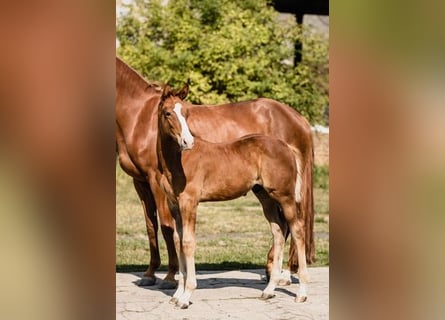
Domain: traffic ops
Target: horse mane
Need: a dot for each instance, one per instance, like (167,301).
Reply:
(132,81)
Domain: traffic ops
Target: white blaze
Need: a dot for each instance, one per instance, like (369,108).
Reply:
(186,140)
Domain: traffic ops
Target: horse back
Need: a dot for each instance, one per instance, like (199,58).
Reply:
(227,122)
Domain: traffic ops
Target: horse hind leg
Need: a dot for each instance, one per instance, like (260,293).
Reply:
(278,245)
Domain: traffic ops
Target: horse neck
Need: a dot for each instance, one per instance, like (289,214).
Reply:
(136,100)
(130,85)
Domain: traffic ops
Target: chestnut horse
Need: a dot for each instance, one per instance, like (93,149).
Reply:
(225,171)
(136,129)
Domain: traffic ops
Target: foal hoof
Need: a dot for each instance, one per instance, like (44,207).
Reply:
(300,299)
(146,282)
(285,278)
(284,282)
(168,284)
(266,296)
(173,300)
(182,305)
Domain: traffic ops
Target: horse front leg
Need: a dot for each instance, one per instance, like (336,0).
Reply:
(167,228)
(146,196)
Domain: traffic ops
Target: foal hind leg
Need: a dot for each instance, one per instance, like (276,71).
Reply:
(278,229)
(271,208)
(296,225)
(278,244)
(286,279)
(145,195)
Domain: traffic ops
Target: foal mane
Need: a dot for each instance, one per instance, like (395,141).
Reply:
(132,81)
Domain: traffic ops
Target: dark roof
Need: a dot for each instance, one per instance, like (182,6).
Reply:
(318,7)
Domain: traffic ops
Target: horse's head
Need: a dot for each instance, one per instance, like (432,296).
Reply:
(172,116)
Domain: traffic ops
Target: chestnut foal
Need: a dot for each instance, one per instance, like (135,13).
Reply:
(224,171)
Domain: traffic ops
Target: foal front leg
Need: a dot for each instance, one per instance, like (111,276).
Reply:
(177,236)
(188,208)
(184,238)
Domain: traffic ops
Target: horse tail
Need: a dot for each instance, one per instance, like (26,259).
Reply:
(307,204)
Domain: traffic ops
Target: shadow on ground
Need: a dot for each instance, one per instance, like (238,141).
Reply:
(210,282)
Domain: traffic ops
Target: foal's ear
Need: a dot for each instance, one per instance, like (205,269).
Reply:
(183,92)
(166,91)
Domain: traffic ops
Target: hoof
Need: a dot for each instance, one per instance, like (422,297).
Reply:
(146,282)
(285,279)
(266,296)
(182,305)
(300,299)
(166,284)
(174,300)
(284,282)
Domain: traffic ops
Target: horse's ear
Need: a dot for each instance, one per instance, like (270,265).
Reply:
(184,91)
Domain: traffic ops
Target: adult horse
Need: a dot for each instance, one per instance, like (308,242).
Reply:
(225,171)
(136,129)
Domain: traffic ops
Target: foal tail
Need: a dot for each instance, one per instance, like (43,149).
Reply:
(299,181)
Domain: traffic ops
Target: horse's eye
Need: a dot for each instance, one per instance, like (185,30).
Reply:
(167,114)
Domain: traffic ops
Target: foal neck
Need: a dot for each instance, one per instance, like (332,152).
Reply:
(169,152)
(170,165)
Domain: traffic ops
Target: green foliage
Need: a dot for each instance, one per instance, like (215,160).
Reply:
(321,177)
(230,50)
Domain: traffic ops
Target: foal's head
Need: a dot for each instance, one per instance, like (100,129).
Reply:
(172,117)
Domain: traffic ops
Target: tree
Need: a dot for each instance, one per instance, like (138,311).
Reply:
(230,50)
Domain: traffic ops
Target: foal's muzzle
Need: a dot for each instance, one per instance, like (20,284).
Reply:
(186,144)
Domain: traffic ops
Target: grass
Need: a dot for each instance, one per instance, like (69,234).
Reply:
(230,235)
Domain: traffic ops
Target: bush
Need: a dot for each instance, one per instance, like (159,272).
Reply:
(321,177)
(230,50)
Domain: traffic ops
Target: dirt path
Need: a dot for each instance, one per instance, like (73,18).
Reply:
(224,295)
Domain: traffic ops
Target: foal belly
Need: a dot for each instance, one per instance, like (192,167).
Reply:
(226,187)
